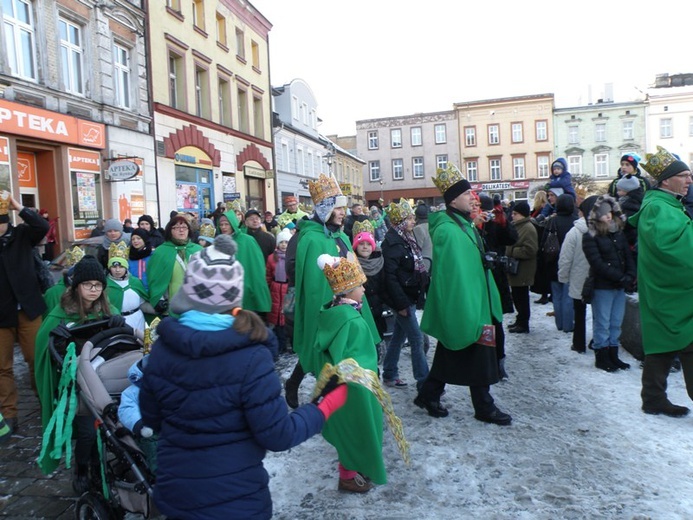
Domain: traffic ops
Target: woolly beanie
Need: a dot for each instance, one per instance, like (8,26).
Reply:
(631,158)
(421,211)
(284,235)
(113,224)
(522,207)
(213,281)
(88,268)
(628,183)
(364,236)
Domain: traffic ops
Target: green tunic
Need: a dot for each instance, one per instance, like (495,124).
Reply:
(160,268)
(356,429)
(665,264)
(115,291)
(313,291)
(256,295)
(457,304)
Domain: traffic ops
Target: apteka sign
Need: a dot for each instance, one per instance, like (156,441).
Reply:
(123,170)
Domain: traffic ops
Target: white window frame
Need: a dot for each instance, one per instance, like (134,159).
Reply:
(416,136)
(519,168)
(374,171)
(472,169)
(441,162)
(121,75)
(628,130)
(517,132)
(573,134)
(373,140)
(397,170)
(417,167)
(493,135)
(601,165)
(541,130)
(72,58)
(470,136)
(301,161)
(575,164)
(600,132)
(666,129)
(294,103)
(690,126)
(440,132)
(494,166)
(543,167)
(17,32)
(396,138)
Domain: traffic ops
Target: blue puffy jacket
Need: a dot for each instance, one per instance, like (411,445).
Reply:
(215,400)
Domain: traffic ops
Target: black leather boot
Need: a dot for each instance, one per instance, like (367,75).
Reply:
(613,357)
(602,361)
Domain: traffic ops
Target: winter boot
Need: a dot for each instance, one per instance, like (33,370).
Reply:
(613,357)
(602,360)
(292,384)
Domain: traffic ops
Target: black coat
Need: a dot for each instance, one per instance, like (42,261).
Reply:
(18,281)
(611,261)
(404,284)
(630,205)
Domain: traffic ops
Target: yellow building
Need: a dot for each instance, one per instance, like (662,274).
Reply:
(211,93)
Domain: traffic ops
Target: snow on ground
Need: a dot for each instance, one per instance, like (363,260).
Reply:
(579,447)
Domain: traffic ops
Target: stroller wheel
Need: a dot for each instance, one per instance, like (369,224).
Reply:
(92,507)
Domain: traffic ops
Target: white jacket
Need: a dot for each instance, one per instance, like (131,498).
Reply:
(573,267)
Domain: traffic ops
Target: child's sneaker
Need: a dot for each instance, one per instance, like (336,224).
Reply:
(394,383)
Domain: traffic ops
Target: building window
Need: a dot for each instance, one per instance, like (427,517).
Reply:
(199,14)
(221,30)
(71,56)
(242,110)
(470,136)
(573,135)
(19,38)
(441,162)
(311,163)
(173,5)
(495,167)
(417,167)
(600,132)
(255,50)
(121,74)
(313,118)
(690,126)
(397,169)
(201,93)
(601,165)
(396,138)
(301,162)
(240,44)
(294,106)
(665,128)
(416,139)
(543,167)
(628,130)
(518,167)
(286,166)
(224,102)
(374,170)
(519,195)
(575,164)
(441,134)
(472,171)
(373,140)
(541,130)
(517,134)
(493,134)
(176,81)
(258,118)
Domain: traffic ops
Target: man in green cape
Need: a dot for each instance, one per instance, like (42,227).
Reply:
(320,235)
(665,261)
(462,306)
(256,295)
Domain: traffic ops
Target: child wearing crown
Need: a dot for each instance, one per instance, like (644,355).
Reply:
(125,292)
(356,430)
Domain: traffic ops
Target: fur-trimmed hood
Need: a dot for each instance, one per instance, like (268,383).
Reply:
(603,205)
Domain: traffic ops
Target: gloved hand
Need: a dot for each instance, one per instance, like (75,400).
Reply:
(333,399)
(161,307)
(142,431)
(116,322)
(626,281)
(62,331)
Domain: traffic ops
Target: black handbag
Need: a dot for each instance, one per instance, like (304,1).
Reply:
(588,289)
(512,265)
(551,247)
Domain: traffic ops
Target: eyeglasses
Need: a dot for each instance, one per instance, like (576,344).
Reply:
(92,286)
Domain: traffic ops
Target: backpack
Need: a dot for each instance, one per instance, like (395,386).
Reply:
(552,246)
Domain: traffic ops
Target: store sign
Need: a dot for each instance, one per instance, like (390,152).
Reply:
(252,171)
(84,160)
(499,186)
(192,156)
(123,170)
(44,124)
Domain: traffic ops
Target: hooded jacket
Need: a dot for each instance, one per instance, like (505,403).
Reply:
(564,180)
(573,267)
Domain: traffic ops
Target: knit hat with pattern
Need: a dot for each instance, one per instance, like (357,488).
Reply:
(213,280)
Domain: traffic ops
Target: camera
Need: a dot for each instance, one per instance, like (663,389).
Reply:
(493,260)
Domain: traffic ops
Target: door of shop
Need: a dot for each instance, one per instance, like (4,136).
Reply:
(194,190)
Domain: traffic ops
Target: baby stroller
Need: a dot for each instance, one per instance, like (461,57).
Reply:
(105,355)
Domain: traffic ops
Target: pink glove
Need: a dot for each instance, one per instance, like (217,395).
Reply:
(333,401)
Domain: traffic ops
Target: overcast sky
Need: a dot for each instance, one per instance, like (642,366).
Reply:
(367,59)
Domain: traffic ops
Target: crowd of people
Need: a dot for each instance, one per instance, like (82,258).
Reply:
(334,286)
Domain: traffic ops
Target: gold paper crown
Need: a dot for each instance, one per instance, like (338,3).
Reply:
(150,335)
(346,275)
(399,212)
(362,227)
(447,177)
(74,255)
(207,230)
(324,187)
(119,250)
(4,202)
(236,205)
(581,191)
(658,162)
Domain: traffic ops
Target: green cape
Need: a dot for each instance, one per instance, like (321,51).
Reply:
(52,296)
(256,295)
(356,429)
(160,268)
(665,264)
(457,304)
(313,291)
(115,291)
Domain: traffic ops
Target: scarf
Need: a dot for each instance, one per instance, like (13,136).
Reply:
(139,254)
(410,240)
(372,265)
(280,267)
(124,237)
(209,322)
(343,300)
